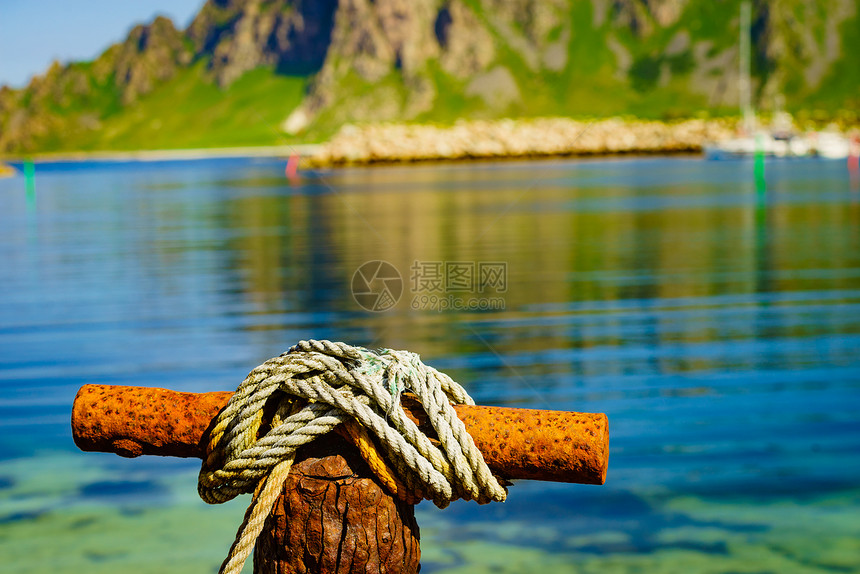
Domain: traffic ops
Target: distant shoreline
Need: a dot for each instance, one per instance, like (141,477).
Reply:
(516,139)
(166,154)
(476,140)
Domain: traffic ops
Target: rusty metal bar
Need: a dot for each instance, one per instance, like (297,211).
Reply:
(516,443)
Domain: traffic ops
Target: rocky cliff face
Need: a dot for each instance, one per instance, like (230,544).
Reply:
(408,41)
(494,49)
(239,35)
(441,59)
(797,36)
(370,40)
(149,56)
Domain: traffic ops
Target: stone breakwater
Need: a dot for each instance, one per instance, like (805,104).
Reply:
(371,143)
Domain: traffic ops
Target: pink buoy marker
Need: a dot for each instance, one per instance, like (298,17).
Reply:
(292,170)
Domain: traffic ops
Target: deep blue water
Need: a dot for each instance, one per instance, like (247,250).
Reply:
(719,328)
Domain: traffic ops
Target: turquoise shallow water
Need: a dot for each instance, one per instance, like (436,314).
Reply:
(719,330)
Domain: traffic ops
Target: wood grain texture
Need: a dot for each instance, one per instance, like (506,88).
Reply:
(334,517)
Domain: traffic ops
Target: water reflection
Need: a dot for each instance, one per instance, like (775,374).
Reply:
(563,242)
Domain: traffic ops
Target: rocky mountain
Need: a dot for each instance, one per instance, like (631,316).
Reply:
(436,61)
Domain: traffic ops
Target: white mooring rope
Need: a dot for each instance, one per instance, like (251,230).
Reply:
(318,385)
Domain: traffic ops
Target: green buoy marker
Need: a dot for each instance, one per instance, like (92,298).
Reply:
(758,166)
(30,181)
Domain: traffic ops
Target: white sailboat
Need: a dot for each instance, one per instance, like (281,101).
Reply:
(830,144)
(780,140)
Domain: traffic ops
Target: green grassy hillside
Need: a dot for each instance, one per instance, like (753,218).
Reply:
(191,112)
(163,88)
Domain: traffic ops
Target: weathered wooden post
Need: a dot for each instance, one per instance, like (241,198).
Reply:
(334,515)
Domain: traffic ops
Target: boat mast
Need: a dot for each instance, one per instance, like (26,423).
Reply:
(744,88)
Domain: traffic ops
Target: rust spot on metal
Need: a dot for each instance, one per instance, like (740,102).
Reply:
(127,448)
(101,420)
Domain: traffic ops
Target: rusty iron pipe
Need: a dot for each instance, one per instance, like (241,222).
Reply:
(516,443)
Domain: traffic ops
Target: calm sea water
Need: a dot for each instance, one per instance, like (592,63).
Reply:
(719,329)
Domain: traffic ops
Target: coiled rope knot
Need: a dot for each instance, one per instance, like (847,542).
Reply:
(316,386)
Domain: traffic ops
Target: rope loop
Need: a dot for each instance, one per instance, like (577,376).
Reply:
(313,388)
